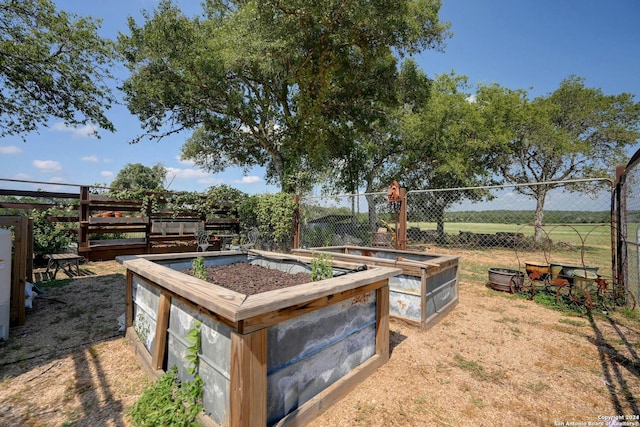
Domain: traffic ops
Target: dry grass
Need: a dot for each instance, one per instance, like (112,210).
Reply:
(496,360)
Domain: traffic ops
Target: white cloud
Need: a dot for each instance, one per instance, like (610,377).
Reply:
(187,173)
(86,131)
(106,174)
(185,162)
(93,159)
(10,149)
(22,176)
(252,179)
(199,175)
(47,166)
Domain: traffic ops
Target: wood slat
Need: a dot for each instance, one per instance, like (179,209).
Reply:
(274,317)
(162,324)
(212,297)
(248,379)
(38,194)
(273,301)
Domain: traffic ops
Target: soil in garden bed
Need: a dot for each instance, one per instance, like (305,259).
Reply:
(249,279)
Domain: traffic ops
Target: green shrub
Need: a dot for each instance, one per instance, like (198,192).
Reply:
(170,402)
(48,237)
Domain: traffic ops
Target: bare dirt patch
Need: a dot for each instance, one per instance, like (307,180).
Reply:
(496,360)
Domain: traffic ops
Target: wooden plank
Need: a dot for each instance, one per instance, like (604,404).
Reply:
(212,297)
(142,353)
(38,194)
(129,297)
(248,379)
(278,316)
(112,220)
(162,324)
(382,322)
(423,298)
(280,299)
(20,269)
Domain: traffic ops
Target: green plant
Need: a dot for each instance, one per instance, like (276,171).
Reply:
(321,267)
(272,215)
(199,269)
(48,237)
(169,401)
(630,313)
(142,328)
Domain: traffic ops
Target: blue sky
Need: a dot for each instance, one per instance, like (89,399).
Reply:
(520,44)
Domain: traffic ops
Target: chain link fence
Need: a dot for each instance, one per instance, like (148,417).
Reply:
(628,206)
(569,219)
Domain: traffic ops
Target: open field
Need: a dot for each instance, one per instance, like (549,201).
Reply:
(598,235)
(496,360)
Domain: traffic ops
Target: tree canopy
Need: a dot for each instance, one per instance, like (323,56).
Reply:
(52,65)
(279,84)
(573,133)
(136,176)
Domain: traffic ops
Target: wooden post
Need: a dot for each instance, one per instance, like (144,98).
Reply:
(83,220)
(382,322)
(162,324)
(401,238)
(248,405)
(129,297)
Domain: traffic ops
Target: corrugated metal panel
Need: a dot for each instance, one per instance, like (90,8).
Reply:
(311,352)
(145,310)
(288,267)
(209,261)
(215,356)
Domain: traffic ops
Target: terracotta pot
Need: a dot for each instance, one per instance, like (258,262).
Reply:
(118,214)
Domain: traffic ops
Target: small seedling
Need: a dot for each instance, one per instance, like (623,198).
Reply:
(199,269)
(321,267)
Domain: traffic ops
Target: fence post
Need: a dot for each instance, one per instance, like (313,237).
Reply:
(83,220)
(296,222)
(401,238)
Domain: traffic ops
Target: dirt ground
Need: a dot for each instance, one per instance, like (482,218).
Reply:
(495,360)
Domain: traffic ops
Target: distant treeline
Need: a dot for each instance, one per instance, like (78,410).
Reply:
(526,217)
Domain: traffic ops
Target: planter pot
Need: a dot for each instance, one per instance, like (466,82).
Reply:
(584,278)
(570,271)
(537,270)
(505,279)
(555,270)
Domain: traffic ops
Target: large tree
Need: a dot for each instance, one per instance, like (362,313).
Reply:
(52,65)
(275,83)
(136,176)
(451,142)
(573,133)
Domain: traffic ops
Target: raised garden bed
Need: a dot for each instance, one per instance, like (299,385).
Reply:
(425,291)
(271,358)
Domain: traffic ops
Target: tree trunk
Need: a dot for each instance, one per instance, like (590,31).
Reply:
(538,217)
